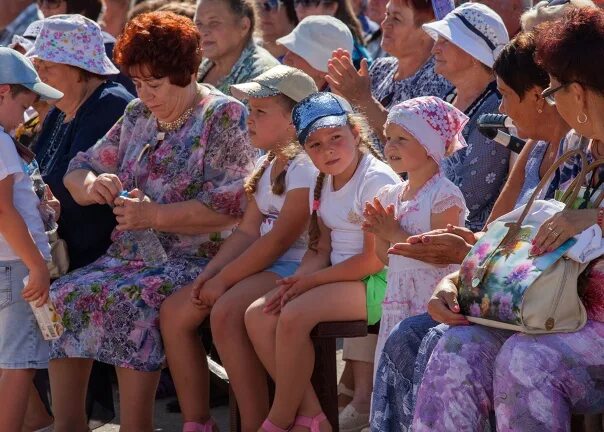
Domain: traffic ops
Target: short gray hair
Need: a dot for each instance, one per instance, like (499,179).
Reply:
(543,12)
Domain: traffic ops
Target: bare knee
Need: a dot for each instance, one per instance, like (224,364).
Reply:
(178,315)
(293,320)
(227,315)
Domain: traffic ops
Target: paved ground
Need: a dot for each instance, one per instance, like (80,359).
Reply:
(168,422)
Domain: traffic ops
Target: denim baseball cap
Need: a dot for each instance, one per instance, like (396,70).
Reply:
(15,68)
(318,111)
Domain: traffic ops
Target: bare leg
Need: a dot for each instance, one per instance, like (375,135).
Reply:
(347,379)
(36,416)
(137,399)
(179,321)
(68,385)
(246,373)
(14,395)
(293,348)
(363,380)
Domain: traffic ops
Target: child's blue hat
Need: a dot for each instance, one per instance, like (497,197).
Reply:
(318,111)
(15,68)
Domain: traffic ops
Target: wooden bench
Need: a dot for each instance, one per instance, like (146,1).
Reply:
(325,374)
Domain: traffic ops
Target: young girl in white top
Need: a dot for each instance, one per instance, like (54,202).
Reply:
(419,133)
(268,245)
(331,283)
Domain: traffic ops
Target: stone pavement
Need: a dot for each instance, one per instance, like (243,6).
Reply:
(169,422)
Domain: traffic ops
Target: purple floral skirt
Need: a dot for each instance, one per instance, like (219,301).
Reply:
(110,310)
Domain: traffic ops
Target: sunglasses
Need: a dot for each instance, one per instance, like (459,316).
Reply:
(557,2)
(51,4)
(307,3)
(549,94)
(270,5)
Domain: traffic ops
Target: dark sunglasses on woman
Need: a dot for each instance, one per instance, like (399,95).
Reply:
(307,3)
(270,5)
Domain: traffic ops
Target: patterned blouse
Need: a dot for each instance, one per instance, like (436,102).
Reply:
(253,61)
(205,160)
(389,92)
(481,169)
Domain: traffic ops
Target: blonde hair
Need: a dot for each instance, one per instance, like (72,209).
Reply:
(278,186)
(543,12)
(359,124)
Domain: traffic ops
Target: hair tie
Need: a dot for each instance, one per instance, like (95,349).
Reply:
(315,205)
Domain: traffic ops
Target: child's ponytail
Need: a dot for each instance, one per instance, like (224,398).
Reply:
(314,232)
(251,183)
(359,123)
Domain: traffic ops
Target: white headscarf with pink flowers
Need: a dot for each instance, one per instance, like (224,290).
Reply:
(435,124)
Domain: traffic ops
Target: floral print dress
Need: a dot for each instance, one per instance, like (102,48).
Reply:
(110,308)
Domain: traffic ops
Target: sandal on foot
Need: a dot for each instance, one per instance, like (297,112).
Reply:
(269,426)
(312,423)
(352,421)
(199,427)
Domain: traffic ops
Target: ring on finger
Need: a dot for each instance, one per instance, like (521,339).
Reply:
(550,227)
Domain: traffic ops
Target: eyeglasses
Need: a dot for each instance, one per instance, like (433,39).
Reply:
(51,4)
(549,94)
(557,2)
(270,5)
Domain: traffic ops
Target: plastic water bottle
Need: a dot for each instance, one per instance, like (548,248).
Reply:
(147,244)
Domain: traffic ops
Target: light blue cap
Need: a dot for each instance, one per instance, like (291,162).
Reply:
(15,68)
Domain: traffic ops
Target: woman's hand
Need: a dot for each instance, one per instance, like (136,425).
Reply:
(196,287)
(441,246)
(135,212)
(288,289)
(52,202)
(381,221)
(345,80)
(105,189)
(443,306)
(561,227)
(37,286)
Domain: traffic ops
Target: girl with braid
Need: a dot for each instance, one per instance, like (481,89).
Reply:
(268,245)
(340,274)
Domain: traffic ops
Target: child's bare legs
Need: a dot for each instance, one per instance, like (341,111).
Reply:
(246,373)
(346,380)
(294,353)
(363,385)
(137,399)
(179,321)
(68,385)
(14,395)
(36,416)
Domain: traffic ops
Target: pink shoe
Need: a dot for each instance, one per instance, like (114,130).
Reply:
(269,426)
(312,423)
(199,427)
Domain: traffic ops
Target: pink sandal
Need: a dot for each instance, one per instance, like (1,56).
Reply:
(312,423)
(199,427)
(269,426)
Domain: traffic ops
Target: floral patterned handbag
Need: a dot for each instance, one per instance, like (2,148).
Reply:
(502,285)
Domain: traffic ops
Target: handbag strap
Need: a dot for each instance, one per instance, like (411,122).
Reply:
(590,169)
(573,190)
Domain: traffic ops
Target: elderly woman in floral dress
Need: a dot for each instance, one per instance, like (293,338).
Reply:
(173,168)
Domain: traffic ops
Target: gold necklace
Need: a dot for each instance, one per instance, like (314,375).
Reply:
(182,119)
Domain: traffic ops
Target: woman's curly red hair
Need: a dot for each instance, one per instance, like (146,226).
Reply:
(165,44)
(569,48)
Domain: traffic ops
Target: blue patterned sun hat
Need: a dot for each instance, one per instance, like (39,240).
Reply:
(317,111)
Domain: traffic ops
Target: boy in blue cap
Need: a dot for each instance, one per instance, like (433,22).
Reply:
(24,248)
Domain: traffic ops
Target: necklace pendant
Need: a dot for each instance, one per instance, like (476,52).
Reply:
(161,136)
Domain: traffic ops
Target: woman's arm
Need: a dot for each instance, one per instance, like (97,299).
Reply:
(86,188)
(511,190)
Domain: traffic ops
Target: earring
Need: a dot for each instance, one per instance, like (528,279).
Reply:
(540,111)
(582,118)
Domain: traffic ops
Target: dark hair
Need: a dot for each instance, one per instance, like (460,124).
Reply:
(290,10)
(17,89)
(359,123)
(569,48)
(180,8)
(516,65)
(345,13)
(89,8)
(166,43)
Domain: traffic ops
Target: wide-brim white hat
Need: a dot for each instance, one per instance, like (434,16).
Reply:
(475,28)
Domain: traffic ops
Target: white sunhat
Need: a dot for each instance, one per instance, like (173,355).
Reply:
(475,28)
(73,40)
(316,37)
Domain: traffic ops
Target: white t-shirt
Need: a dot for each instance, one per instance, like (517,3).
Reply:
(342,210)
(301,173)
(25,199)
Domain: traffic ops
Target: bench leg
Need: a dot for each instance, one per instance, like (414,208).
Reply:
(325,378)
